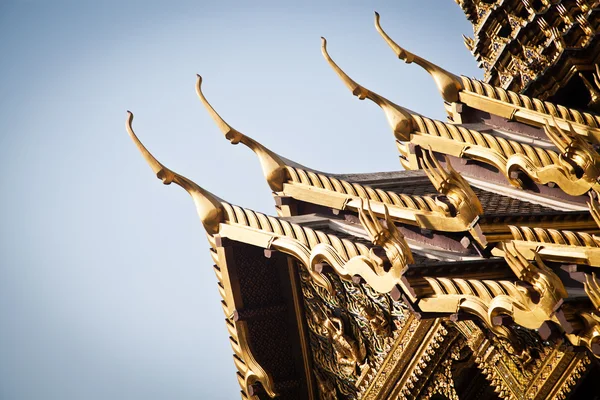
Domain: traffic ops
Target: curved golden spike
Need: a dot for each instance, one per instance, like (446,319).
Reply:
(448,84)
(594,207)
(272,165)
(593,91)
(398,117)
(208,206)
(469,43)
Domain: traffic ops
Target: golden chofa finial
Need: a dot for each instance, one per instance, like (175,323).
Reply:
(273,166)
(399,118)
(448,84)
(208,205)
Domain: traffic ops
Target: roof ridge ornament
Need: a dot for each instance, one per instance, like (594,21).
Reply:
(578,166)
(208,206)
(399,118)
(448,84)
(273,166)
(594,91)
(448,182)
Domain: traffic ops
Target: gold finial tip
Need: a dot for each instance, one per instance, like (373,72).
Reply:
(377,20)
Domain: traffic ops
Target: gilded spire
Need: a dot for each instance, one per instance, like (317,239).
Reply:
(274,168)
(448,84)
(398,117)
(208,206)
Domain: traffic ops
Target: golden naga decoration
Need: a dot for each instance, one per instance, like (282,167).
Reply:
(448,84)
(464,202)
(594,94)
(461,142)
(272,165)
(542,165)
(496,100)
(490,298)
(371,267)
(544,281)
(589,336)
(576,170)
(208,206)
(421,211)
(594,206)
(398,118)
(389,238)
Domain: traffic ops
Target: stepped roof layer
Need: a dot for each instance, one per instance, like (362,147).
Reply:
(545,49)
(477,260)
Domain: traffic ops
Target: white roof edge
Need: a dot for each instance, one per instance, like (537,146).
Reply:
(520,194)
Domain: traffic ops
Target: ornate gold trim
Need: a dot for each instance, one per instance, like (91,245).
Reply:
(490,298)
(557,245)
(518,107)
(578,166)
(424,211)
(541,165)
(496,100)
(512,382)
(312,247)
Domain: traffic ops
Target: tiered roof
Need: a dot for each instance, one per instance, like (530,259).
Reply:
(535,47)
(469,274)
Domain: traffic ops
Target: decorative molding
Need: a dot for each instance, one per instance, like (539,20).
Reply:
(519,107)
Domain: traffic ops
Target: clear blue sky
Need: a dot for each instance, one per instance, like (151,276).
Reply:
(106,284)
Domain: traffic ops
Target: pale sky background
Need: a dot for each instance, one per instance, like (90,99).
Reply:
(106,284)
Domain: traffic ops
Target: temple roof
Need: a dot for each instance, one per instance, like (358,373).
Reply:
(486,242)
